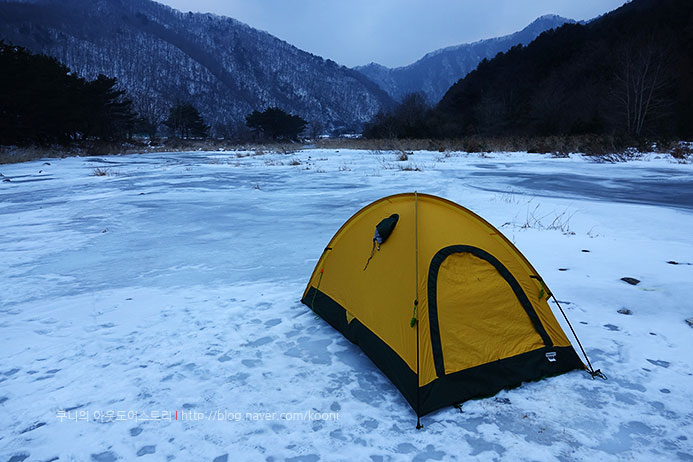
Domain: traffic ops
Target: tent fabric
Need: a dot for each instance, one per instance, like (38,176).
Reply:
(484,323)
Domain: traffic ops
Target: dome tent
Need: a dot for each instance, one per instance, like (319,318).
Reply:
(444,304)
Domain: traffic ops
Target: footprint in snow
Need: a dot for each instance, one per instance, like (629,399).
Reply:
(190,366)
(19,457)
(259,342)
(262,306)
(480,445)
(370,424)
(239,378)
(660,363)
(212,351)
(306,458)
(405,448)
(144,450)
(338,435)
(251,362)
(32,427)
(429,453)
(107,456)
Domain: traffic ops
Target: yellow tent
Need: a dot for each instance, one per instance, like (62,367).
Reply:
(440,300)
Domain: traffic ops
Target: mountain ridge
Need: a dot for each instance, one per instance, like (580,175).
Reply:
(436,71)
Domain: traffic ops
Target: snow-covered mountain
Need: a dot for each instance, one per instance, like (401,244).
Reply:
(437,71)
(162,56)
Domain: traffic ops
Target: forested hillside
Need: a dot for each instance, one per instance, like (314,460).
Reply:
(627,73)
(163,57)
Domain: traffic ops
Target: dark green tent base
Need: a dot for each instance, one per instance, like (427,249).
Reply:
(378,351)
(476,382)
(490,378)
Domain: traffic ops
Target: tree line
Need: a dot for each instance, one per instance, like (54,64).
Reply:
(43,102)
(627,74)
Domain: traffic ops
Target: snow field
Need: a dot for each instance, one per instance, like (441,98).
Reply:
(143,311)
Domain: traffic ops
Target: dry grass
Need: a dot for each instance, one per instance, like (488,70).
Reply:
(612,148)
(682,151)
(378,145)
(100,172)
(103,172)
(15,155)
(534,219)
(601,147)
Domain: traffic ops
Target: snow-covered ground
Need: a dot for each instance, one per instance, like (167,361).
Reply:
(154,311)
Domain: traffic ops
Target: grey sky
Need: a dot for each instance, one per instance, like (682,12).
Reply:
(389,32)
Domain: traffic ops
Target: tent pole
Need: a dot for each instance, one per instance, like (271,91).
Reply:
(416,304)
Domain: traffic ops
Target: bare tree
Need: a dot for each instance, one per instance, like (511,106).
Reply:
(640,83)
(152,113)
(315,129)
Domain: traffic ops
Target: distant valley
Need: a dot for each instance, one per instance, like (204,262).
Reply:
(433,74)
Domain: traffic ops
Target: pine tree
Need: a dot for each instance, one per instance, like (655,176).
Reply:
(276,124)
(185,121)
(109,114)
(42,101)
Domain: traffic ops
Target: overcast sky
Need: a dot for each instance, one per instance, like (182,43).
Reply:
(390,32)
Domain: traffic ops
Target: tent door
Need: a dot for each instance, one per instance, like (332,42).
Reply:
(478,311)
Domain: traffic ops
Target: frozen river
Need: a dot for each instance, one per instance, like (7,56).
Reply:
(170,286)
